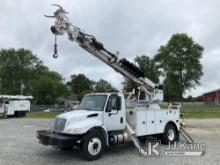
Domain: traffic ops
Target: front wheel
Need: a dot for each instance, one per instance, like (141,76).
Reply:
(93,145)
(170,134)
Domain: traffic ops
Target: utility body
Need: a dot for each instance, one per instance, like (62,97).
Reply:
(105,119)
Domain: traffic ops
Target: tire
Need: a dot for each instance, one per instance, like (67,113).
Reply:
(16,114)
(24,114)
(170,134)
(20,114)
(93,145)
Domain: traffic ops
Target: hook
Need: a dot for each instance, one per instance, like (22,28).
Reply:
(55,55)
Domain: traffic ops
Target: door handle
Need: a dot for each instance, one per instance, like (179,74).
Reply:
(121,120)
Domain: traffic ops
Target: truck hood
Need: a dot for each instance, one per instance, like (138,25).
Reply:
(78,114)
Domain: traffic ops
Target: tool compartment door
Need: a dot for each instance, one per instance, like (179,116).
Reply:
(141,123)
(151,124)
(159,121)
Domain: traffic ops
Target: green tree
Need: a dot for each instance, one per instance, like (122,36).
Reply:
(48,86)
(16,67)
(169,89)
(199,98)
(179,60)
(129,85)
(80,85)
(148,67)
(22,66)
(189,99)
(103,86)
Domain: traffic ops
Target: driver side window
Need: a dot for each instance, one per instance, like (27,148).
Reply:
(114,102)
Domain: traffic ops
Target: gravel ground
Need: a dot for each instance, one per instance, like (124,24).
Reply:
(19,146)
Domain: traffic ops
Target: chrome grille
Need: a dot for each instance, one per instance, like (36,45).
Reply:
(59,124)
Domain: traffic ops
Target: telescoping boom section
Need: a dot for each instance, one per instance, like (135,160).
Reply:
(89,43)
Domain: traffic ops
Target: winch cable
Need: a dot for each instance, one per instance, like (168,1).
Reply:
(55,55)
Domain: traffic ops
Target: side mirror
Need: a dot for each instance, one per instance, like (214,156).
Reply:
(109,105)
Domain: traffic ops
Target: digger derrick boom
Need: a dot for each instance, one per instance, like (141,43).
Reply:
(89,43)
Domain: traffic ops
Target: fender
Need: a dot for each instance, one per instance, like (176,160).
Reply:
(104,131)
(175,123)
(82,127)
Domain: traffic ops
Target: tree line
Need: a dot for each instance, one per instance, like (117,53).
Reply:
(22,72)
(81,85)
(177,64)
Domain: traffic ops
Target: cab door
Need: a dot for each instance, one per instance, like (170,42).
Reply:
(114,116)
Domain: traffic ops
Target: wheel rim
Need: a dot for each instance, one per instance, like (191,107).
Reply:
(171,134)
(94,146)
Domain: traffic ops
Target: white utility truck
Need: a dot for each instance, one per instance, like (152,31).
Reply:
(14,105)
(103,119)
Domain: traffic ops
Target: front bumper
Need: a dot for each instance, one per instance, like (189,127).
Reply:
(54,139)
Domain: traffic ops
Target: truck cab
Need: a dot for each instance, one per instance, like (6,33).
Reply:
(106,110)
(101,120)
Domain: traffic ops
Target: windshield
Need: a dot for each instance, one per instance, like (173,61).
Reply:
(93,102)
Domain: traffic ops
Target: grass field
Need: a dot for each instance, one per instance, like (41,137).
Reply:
(46,115)
(201,111)
(190,111)
(202,115)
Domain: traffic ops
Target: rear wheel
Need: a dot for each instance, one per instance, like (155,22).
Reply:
(170,134)
(93,145)
(24,114)
(20,114)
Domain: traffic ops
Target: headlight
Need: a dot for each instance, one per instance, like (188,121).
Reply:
(73,130)
(37,134)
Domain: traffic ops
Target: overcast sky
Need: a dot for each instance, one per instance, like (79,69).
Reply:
(132,27)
